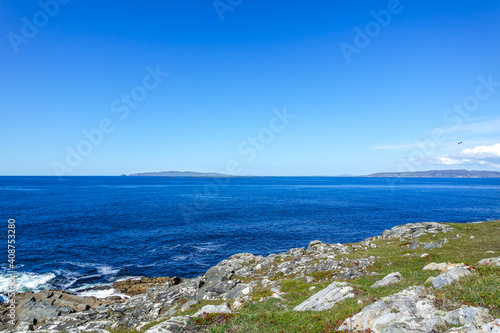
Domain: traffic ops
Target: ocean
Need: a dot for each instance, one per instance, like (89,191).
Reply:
(77,232)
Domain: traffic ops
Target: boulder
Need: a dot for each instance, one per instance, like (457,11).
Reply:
(492,327)
(434,267)
(429,246)
(468,315)
(450,276)
(415,230)
(239,291)
(490,262)
(413,245)
(35,309)
(312,245)
(450,266)
(134,287)
(173,325)
(388,279)
(217,274)
(407,311)
(223,308)
(217,290)
(326,298)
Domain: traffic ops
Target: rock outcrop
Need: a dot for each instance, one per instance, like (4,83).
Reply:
(233,281)
(34,309)
(326,298)
(407,311)
(450,276)
(490,262)
(415,230)
(134,287)
(388,279)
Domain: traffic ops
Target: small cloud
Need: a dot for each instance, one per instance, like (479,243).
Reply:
(482,152)
(445,160)
(486,156)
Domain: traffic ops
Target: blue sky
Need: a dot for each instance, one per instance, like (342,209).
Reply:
(253,87)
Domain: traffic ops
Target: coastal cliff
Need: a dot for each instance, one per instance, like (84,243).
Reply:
(418,277)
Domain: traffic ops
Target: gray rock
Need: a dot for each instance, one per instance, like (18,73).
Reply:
(468,328)
(313,244)
(428,246)
(450,276)
(217,274)
(239,291)
(326,298)
(406,311)
(173,325)
(415,230)
(388,279)
(223,308)
(434,267)
(217,290)
(468,315)
(413,245)
(492,327)
(490,262)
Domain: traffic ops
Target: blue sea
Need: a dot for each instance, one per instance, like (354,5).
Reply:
(76,232)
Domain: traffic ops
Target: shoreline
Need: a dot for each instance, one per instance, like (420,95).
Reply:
(239,278)
(104,287)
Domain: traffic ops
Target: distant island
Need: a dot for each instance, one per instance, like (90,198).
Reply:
(439,174)
(415,174)
(181,174)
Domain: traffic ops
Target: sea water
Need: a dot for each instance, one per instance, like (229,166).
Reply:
(77,232)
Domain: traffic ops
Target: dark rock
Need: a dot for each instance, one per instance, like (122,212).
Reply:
(216,290)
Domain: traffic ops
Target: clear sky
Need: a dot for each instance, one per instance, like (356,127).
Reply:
(253,87)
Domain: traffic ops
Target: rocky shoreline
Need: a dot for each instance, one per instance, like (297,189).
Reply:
(161,304)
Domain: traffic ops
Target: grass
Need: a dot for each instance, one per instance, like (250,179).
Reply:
(122,329)
(261,292)
(479,289)
(201,303)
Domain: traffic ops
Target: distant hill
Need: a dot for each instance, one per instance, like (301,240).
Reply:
(177,174)
(439,174)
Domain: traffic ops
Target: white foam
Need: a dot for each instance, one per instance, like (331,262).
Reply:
(101,293)
(27,281)
(101,269)
(208,247)
(107,270)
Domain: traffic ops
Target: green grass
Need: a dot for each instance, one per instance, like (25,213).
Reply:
(201,303)
(259,292)
(479,289)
